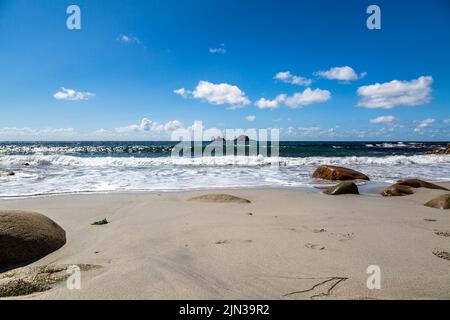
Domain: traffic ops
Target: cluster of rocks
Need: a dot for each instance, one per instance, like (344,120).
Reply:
(346,175)
(240,139)
(441,151)
(405,187)
(401,188)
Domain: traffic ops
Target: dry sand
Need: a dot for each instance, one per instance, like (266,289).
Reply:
(285,244)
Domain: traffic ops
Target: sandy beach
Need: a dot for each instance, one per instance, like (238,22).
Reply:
(285,244)
(223,153)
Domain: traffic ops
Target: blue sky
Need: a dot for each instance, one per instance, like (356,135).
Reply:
(311,68)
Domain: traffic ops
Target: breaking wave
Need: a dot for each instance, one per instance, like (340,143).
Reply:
(43,174)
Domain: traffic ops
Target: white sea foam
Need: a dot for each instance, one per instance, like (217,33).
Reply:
(74,161)
(61,173)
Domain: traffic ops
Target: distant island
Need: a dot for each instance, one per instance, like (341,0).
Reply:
(240,139)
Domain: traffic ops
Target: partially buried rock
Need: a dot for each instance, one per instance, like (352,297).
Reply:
(26,236)
(442,202)
(338,173)
(416,183)
(219,198)
(346,187)
(28,280)
(397,190)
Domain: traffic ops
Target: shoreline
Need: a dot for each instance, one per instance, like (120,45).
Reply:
(314,189)
(367,188)
(162,246)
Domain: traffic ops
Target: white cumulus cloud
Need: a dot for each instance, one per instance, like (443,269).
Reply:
(383,119)
(150,126)
(196,126)
(182,92)
(297,100)
(251,118)
(217,94)
(307,97)
(264,103)
(345,73)
(222,93)
(288,77)
(72,95)
(396,93)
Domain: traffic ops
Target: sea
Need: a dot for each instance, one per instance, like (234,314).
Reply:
(49,168)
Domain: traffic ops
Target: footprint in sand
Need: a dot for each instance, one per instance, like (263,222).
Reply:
(321,230)
(340,236)
(345,236)
(222,242)
(227,241)
(314,246)
(441,254)
(313,231)
(442,233)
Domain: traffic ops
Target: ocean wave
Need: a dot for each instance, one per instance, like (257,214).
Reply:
(158,148)
(409,145)
(14,149)
(60,174)
(76,161)
(387,145)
